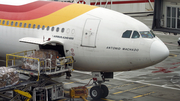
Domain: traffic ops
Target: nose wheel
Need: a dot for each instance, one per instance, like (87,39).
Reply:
(100,91)
(96,92)
(105,91)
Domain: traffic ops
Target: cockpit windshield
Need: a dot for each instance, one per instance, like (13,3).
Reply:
(153,33)
(147,34)
(135,34)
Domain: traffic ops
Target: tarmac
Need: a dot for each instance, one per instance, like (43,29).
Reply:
(160,82)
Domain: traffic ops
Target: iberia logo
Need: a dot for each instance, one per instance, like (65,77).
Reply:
(81,2)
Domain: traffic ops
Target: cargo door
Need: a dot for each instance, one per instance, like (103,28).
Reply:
(90,33)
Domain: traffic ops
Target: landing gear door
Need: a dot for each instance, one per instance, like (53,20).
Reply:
(90,33)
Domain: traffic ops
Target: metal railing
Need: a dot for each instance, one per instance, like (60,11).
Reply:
(38,66)
(11,59)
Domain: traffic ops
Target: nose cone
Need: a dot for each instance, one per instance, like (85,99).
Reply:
(158,51)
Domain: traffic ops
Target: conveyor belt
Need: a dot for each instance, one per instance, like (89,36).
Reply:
(21,83)
(24,84)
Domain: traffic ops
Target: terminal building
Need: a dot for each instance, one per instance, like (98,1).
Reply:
(167,16)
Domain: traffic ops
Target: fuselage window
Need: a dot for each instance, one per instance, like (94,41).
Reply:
(43,27)
(146,34)
(20,24)
(16,24)
(7,23)
(62,30)
(25,25)
(57,29)
(38,27)
(34,26)
(47,28)
(127,34)
(12,23)
(29,26)
(67,30)
(3,22)
(52,29)
(135,34)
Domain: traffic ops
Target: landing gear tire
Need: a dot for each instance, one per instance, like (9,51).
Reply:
(105,91)
(96,92)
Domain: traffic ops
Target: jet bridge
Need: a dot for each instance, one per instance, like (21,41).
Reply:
(167,16)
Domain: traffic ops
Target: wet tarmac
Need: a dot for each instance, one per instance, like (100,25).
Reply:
(160,82)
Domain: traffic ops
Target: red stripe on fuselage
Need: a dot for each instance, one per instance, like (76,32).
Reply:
(23,8)
(31,11)
(121,2)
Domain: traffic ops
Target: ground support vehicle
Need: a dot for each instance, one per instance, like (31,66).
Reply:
(39,86)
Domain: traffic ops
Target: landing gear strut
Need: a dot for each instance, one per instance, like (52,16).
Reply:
(99,90)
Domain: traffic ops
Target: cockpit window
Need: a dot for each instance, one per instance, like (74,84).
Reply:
(127,34)
(153,33)
(135,34)
(146,34)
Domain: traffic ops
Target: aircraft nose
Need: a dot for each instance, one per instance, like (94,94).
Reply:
(158,51)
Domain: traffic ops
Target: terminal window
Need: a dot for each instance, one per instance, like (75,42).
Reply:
(173,17)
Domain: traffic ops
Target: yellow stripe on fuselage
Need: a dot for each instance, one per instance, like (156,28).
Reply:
(63,15)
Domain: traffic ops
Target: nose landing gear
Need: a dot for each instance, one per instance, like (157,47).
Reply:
(99,90)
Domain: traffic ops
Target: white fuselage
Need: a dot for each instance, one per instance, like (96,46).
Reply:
(95,41)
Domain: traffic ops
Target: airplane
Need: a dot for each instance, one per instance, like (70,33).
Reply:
(100,40)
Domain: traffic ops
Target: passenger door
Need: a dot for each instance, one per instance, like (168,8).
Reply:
(90,33)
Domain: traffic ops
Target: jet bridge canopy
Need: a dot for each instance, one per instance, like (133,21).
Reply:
(167,16)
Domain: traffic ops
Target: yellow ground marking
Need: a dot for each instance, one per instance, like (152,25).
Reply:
(89,87)
(66,91)
(172,55)
(143,95)
(107,99)
(131,89)
(68,83)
